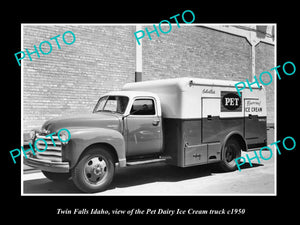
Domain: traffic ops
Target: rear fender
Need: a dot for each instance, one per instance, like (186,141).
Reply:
(236,135)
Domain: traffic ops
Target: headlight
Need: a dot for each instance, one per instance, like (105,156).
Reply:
(64,135)
(32,134)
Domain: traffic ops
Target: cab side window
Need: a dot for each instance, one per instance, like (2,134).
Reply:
(143,107)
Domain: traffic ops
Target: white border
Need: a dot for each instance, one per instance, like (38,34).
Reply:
(208,25)
(22,112)
(275,111)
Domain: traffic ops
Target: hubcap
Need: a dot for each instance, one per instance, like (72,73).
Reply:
(95,170)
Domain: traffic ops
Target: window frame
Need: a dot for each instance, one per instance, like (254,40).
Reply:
(107,96)
(144,98)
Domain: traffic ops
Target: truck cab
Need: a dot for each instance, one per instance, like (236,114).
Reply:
(141,121)
(182,121)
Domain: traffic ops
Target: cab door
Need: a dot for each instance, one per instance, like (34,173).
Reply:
(143,128)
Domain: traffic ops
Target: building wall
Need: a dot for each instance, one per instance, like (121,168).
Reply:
(196,52)
(264,61)
(103,58)
(72,79)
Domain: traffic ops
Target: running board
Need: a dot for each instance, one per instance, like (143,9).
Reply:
(146,161)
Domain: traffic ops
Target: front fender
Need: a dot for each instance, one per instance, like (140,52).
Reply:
(81,138)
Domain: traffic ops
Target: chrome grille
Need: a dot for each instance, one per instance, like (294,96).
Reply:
(53,153)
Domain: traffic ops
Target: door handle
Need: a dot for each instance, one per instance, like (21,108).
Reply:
(155,122)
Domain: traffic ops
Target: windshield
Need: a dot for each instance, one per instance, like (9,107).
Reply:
(112,104)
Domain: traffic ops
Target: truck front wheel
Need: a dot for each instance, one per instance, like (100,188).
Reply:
(94,171)
(230,152)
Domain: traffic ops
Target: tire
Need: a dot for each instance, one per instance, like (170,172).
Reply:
(57,177)
(95,171)
(230,152)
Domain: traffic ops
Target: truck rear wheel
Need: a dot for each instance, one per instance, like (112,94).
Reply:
(230,152)
(94,171)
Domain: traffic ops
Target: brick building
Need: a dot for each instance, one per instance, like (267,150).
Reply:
(104,57)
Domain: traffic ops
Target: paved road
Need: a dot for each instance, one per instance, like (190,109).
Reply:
(162,179)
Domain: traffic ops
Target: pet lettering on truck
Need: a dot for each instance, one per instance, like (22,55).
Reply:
(181,121)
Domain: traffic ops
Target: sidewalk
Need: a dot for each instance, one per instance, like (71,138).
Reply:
(28,169)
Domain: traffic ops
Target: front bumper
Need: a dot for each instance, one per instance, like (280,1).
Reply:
(55,167)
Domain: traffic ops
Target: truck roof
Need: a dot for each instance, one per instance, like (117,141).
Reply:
(131,94)
(182,83)
(183,97)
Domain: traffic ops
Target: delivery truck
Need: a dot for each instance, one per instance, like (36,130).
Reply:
(181,121)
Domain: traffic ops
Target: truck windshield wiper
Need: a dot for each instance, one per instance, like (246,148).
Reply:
(106,110)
